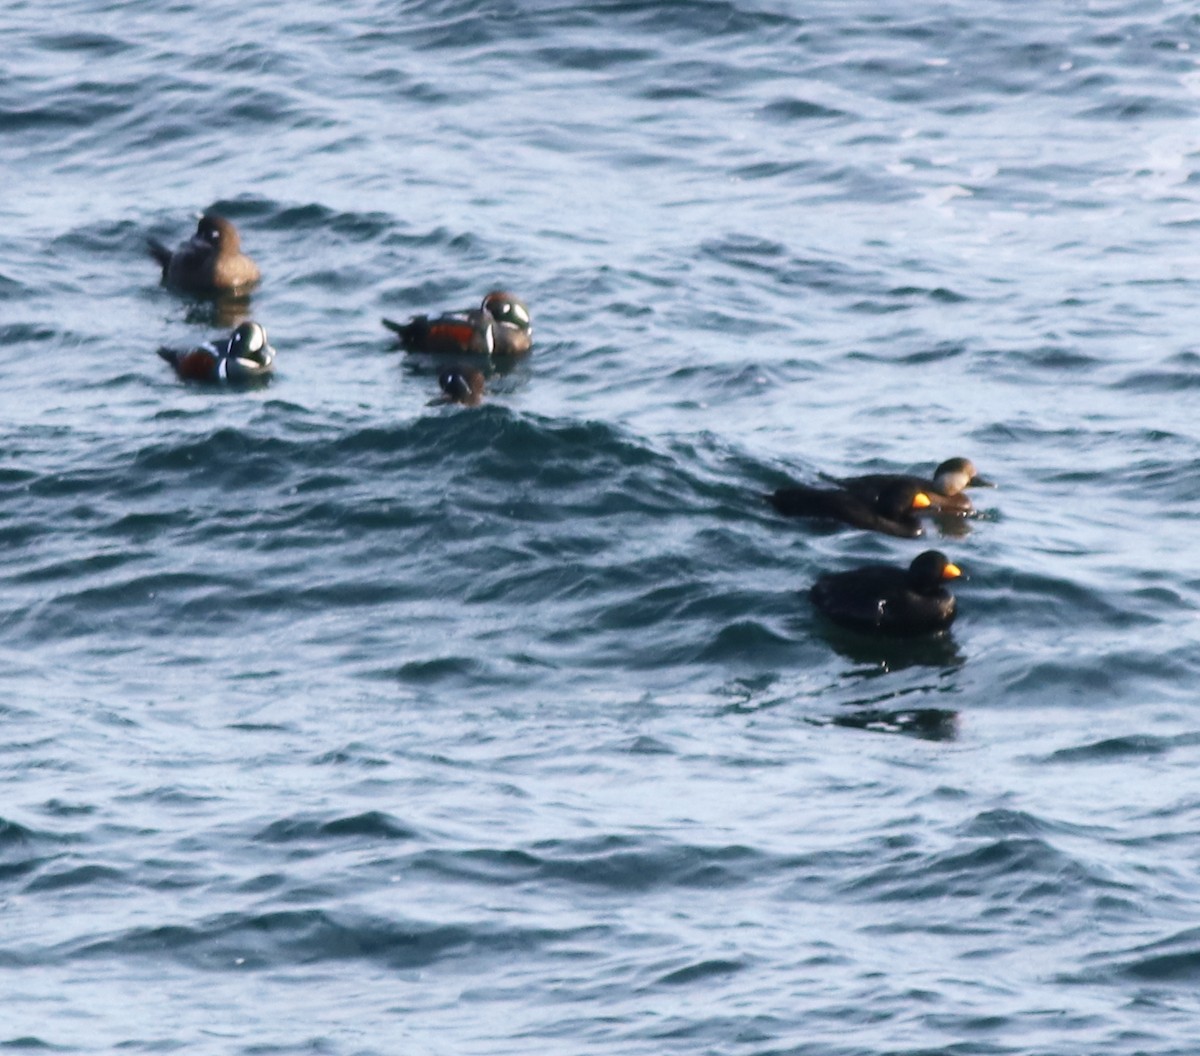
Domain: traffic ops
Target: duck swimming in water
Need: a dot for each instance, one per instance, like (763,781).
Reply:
(944,490)
(471,333)
(244,357)
(461,385)
(211,261)
(501,326)
(891,509)
(883,599)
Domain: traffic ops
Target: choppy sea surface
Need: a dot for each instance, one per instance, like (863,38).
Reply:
(334,721)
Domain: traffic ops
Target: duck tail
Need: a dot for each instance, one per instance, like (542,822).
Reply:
(410,333)
(404,330)
(799,501)
(159,252)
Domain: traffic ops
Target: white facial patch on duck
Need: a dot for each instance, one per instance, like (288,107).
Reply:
(951,482)
(511,313)
(247,340)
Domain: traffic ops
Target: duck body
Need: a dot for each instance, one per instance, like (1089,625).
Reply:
(886,600)
(944,489)
(500,326)
(452,334)
(244,358)
(211,261)
(891,509)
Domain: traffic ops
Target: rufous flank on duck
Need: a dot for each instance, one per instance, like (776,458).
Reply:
(466,333)
(211,261)
(500,326)
(885,599)
(245,357)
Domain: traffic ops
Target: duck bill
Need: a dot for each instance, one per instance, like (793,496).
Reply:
(951,572)
(980,482)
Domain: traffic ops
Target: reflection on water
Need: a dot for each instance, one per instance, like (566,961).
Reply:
(930,724)
(226,310)
(893,654)
(951,526)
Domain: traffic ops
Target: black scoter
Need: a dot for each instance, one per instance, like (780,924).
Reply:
(892,509)
(883,599)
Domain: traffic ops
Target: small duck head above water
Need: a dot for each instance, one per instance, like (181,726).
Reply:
(957,473)
(461,385)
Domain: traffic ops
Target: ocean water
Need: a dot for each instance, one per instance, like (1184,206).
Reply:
(339,722)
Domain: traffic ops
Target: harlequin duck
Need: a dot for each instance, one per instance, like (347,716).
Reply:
(944,490)
(892,510)
(883,599)
(500,326)
(211,261)
(461,385)
(245,357)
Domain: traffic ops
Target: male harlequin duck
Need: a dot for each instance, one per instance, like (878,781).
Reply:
(883,599)
(893,509)
(245,357)
(500,326)
(461,385)
(944,490)
(211,261)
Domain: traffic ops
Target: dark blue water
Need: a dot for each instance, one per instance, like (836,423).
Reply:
(336,722)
